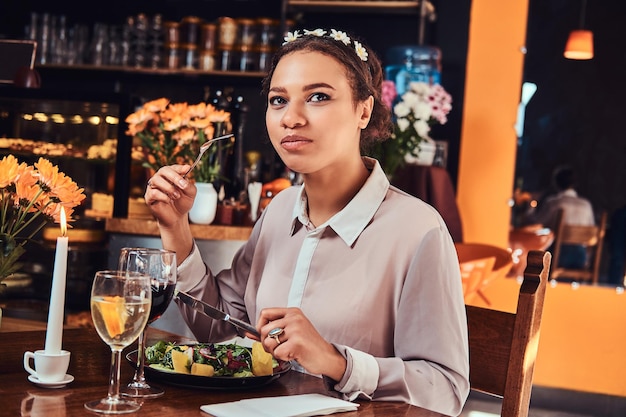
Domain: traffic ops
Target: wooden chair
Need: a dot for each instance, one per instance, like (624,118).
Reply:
(480,265)
(590,236)
(503,346)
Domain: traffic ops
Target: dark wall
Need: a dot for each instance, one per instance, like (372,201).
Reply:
(380,30)
(576,116)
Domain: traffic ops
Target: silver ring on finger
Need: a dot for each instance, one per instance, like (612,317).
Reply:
(275,333)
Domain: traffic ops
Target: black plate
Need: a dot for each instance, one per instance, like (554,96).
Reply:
(208,382)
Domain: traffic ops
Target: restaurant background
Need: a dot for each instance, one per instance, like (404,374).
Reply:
(574,117)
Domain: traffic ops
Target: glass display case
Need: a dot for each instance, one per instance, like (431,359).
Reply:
(83,136)
(81,133)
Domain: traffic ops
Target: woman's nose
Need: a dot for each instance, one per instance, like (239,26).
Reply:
(293,116)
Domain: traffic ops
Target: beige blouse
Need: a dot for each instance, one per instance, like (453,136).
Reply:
(380,280)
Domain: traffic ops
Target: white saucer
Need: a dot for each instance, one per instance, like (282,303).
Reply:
(59,384)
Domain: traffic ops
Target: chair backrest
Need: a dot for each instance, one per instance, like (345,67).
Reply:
(503,346)
(590,236)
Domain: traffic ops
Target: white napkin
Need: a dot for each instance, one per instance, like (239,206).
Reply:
(287,406)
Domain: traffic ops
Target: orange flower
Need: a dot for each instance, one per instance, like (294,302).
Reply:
(61,188)
(8,171)
(157,105)
(26,194)
(220,116)
(138,121)
(30,196)
(26,174)
(171,133)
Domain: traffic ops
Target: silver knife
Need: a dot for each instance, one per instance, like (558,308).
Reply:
(213,312)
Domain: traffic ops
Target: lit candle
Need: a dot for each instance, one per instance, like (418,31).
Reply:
(54,332)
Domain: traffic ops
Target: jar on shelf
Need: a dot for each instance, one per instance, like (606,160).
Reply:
(227,33)
(408,63)
(227,38)
(208,43)
(190,30)
(247,60)
(208,37)
(268,30)
(206,60)
(171,32)
(189,56)
(265,58)
(171,56)
(246,48)
(246,33)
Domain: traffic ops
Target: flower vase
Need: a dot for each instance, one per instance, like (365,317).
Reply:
(205,204)
(426,154)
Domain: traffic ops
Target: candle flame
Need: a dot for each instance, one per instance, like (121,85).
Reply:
(63,222)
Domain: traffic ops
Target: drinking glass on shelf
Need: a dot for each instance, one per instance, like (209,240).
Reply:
(160,265)
(120,305)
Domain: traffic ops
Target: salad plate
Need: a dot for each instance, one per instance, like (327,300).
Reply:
(165,376)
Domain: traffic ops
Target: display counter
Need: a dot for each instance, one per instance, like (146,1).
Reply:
(217,244)
(145,227)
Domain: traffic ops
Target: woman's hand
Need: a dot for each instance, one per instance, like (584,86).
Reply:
(299,340)
(170,196)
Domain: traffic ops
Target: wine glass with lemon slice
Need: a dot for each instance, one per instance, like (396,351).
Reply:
(120,306)
(160,265)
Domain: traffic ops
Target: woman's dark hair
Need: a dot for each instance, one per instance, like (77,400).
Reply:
(365,78)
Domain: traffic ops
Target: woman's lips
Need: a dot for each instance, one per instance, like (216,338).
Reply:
(294,142)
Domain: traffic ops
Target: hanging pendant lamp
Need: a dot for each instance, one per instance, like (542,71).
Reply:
(580,42)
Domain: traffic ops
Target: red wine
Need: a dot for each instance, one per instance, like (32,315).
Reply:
(161,296)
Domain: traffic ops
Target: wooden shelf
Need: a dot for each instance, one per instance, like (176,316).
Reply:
(146,227)
(153,71)
(372,6)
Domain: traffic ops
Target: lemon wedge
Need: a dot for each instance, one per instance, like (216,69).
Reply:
(202,369)
(113,312)
(180,361)
(262,363)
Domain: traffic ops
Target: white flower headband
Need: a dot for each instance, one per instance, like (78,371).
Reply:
(335,34)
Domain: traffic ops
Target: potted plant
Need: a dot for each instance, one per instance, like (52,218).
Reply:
(422,106)
(31,196)
(172,133)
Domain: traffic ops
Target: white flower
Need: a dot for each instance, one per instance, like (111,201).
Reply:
(421,127)
(403,124)
(316,32)
(410,99)
(340,36)
(422,110)
(360,51)
(291,36)
(401,109)
(420,88)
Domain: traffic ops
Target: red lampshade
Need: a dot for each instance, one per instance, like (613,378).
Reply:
(579,45)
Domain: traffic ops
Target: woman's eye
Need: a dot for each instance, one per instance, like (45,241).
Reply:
(277,101)
(319,97)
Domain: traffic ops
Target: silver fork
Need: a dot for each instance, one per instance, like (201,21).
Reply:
(206,145)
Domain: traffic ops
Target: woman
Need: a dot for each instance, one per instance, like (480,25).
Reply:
(359,279)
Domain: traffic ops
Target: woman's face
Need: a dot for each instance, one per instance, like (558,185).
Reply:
(311,118)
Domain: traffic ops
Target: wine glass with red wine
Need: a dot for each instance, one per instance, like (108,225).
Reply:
(160,265)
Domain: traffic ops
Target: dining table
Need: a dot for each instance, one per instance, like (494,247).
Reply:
(90,365)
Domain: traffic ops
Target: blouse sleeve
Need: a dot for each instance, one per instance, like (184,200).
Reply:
(224,290)
(430,368)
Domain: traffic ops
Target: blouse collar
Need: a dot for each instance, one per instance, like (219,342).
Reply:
(350,222)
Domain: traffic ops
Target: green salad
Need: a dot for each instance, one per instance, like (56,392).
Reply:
(207,359)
